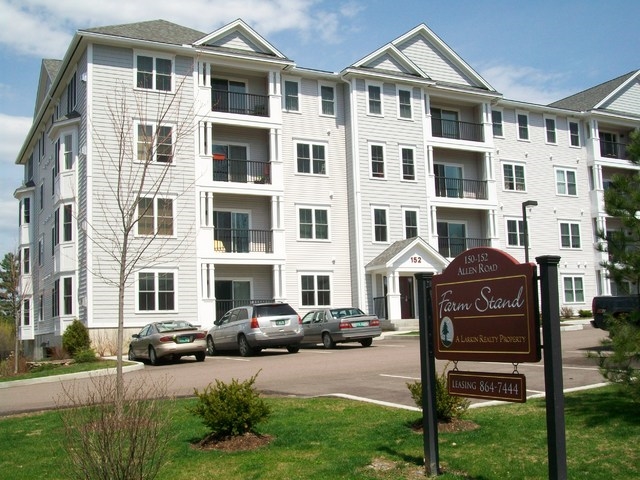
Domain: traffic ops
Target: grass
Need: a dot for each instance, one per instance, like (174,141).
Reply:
(59,369)
(322,438)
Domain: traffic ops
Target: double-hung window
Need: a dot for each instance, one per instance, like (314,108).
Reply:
(26,260)
(496,119)
(574,134)
(374,99)
(515,233)
(291,96)
(311,158)
(327,100)
(408,164)
(566,182)
(573,289)
(154,143)
(514,179)
(26,312)
(154,73)
(313,223)
(523,125)
(377,161)
(67,296)
(26,210)
(67,223)
(550,129)
(156,291)
(55,298)
(380,225)
(315,290)
(156,216)
(570,235)
(67,152)
(410,223)
(404,104)
(71,94)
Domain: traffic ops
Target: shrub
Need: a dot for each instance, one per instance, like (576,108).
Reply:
(566,312)
(447,406)
(76,338)
(86,355)
(231,409)
(585,313)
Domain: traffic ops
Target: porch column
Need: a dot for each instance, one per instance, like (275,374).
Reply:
(393,296)
(278,281)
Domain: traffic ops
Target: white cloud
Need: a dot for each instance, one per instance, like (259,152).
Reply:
(42,28)
(526,84)
(13,131)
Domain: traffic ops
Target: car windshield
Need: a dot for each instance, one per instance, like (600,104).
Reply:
(174,325)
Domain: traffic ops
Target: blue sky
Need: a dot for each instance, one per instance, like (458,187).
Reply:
(534,51)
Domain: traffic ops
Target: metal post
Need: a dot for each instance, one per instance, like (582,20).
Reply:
(525,227)
(553,385)
(428,375)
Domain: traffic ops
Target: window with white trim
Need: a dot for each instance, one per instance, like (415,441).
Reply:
(156,291)
(41,308)
(377,160)
(55,298)
(310,158)
(573,289)
(574,134)
(154,73)
(566,182)
(156,216)
(515,233)
(313,223)
(374,99)
(315,290)
(570,235)
(71,94)
(327,100)
(523,125)
(67,296)
(379,218)
(154,143)
(67,223)
(408,163)
(291,95)
(68,155)
(514,178)
(26,210)
(550,130)
(26,312)
(410,218)
(26,260)
(496,120)
(404,104)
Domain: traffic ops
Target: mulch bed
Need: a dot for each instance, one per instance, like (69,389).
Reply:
(452,426)
(248,441)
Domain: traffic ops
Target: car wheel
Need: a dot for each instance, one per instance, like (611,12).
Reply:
(131,355)
(211,348)
(200,356)
(327,341)
(244,347)
(293,348)
(153,357)
(366,342)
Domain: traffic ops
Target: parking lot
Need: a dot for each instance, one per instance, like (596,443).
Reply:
(376,374)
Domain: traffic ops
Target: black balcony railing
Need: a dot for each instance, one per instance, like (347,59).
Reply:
(239,240)
(460,188)
(241,103)
(241,171)
(457,130)
(453,246)
(380,307)
(224,305)
(613,150)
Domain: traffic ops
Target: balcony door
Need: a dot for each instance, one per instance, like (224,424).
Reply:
(232,229)
(448,180)
(230,294)
(451,238)
(230,163)
(228,96)
(609,145)
(444,123)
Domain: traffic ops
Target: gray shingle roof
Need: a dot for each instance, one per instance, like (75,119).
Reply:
(52,67)
(588,99)
(159,31)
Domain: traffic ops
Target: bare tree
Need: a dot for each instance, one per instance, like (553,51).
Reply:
(137,168)
(12,298)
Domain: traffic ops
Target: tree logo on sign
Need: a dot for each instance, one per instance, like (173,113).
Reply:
(446,332)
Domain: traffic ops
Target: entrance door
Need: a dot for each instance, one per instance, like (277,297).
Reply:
(406,297)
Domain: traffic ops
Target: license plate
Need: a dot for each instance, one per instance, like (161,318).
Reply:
(360,324)
(281,322)
(183,340)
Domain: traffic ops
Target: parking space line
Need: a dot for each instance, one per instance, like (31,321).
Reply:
(398,376)
(371,400)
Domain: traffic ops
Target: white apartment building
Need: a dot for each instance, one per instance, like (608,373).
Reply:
(269,181)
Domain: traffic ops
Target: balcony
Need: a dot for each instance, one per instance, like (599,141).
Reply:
(450,187)
(613,150)
(240,103)
(237,240)
(453,246)
(240,171)
(224,305)
(457,130)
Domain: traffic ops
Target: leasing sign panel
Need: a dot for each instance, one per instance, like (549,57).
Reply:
(484,309)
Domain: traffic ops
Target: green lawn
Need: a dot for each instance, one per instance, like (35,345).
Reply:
(60,369)
(322,438)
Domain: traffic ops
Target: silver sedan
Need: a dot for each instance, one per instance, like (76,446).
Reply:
(169,339)
(330,326)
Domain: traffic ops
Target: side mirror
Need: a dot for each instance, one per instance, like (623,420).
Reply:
(135,335)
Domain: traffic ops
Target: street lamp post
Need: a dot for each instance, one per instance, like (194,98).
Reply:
(528,203)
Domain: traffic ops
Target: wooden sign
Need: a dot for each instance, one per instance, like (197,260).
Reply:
(485,309)
(489,386)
